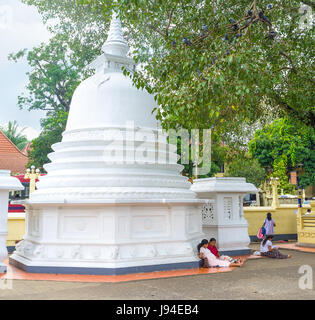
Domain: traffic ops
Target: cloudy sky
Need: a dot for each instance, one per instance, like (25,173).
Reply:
(20,27)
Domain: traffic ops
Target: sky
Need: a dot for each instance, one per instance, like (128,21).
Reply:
(20,27)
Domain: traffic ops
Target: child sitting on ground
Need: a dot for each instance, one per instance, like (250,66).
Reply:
(212,247)
(267,249)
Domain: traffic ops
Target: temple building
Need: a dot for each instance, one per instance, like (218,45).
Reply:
(11,158)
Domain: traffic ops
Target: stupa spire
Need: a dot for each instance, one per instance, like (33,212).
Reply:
(115,43)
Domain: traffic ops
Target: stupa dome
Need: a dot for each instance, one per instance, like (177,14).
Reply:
(111,97)
(112,149)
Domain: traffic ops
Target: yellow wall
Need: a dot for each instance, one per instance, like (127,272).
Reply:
(284,217)
(16,227)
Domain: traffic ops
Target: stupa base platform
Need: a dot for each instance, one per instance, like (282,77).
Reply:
(15,273)
(3,268)
(110,239)
(32,268)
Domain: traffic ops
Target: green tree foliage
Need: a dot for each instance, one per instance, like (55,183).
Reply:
(53,126)
(248,168)
(57,68)
(283,146)
(209,63)
(218,63)
(217,157)
(280,170)
(15,134)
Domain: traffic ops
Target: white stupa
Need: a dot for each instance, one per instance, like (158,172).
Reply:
(113,200)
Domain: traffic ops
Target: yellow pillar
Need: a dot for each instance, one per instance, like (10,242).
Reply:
(274,182)
(299,222)
(33,175)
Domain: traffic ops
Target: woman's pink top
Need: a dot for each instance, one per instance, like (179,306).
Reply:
(214,250)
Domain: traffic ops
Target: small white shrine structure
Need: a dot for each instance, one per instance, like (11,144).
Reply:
(7,183)
(113,201)
(223,215)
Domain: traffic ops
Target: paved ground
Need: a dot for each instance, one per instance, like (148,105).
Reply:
(257,279)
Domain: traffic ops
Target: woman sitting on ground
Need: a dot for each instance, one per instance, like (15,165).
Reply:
(271,251)
(210,260)
(212,247)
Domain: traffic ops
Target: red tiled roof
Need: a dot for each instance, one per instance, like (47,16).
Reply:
(11,158)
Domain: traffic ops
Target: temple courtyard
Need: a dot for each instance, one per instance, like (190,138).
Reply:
(257,279)
(162,124)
